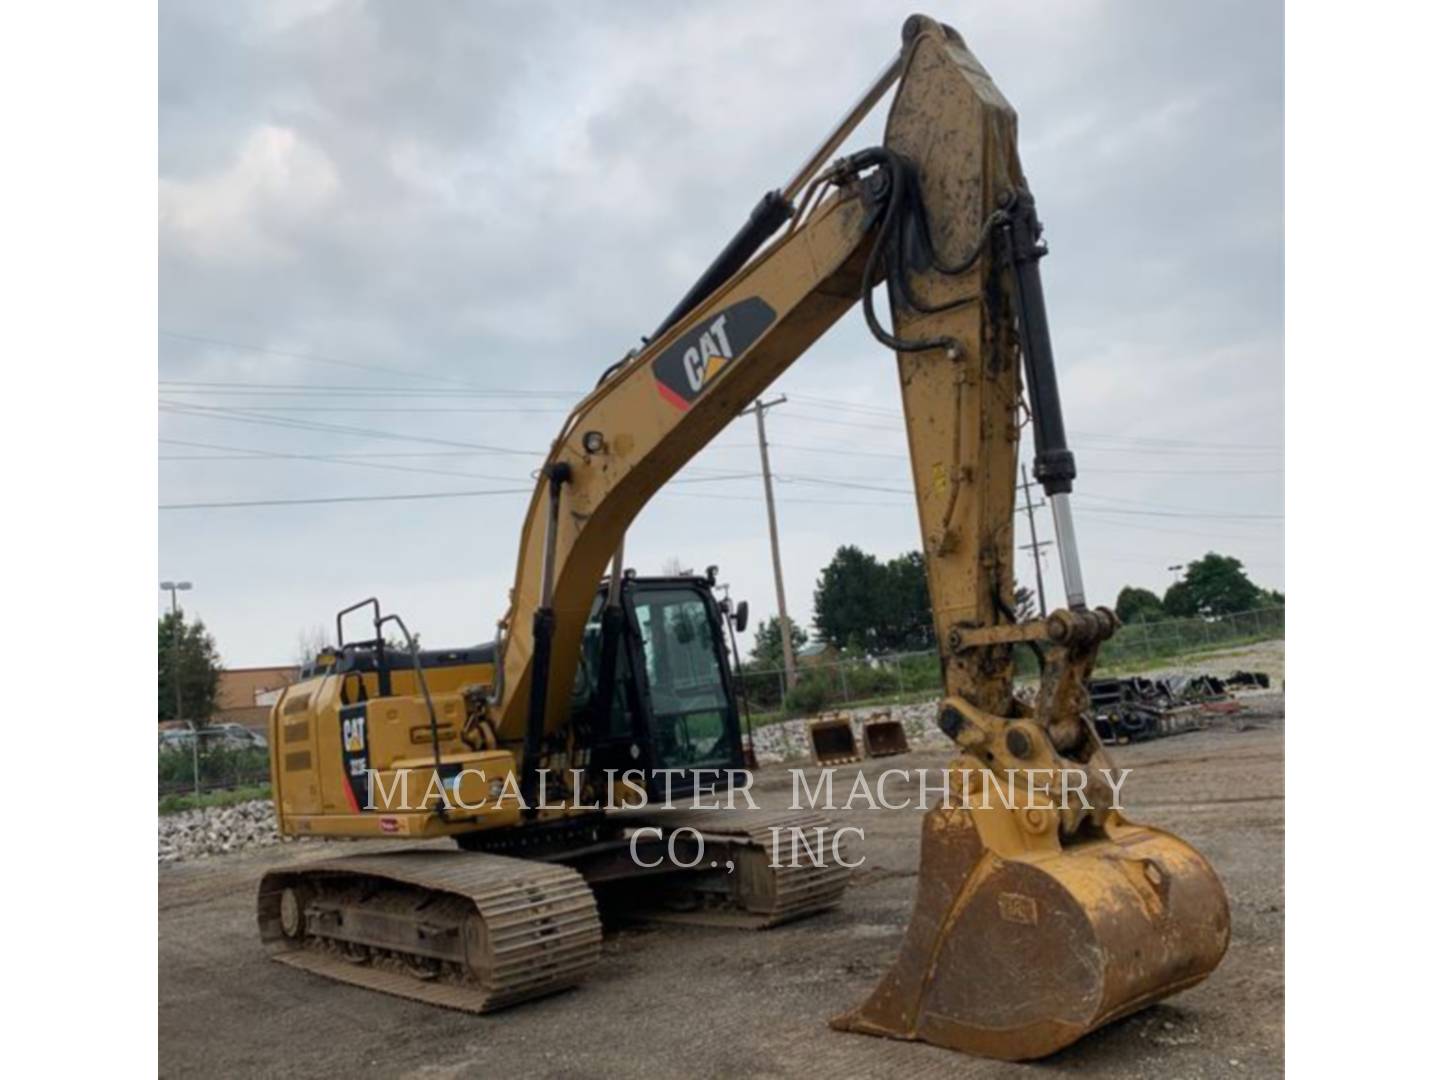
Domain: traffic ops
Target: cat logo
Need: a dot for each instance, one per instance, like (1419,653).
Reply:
(686,368)
(353,730)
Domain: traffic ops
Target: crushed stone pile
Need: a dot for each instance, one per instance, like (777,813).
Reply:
(217,830)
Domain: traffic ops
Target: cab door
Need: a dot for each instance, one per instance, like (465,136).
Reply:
(679,666)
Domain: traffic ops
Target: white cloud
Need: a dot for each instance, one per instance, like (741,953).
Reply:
(249,211)
(506,195)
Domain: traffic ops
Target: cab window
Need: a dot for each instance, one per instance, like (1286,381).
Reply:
(682,669)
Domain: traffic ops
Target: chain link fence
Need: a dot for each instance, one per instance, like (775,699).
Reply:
(222,759)
(226,758)
(914,676)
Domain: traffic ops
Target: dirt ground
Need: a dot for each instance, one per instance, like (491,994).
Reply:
(717,1003)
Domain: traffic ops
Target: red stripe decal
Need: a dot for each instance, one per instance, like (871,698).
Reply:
(672,397)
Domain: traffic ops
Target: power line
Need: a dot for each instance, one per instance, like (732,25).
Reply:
(252,417)
(1100,517)
(825,481)
(316,359)
(398,409)
(305,389)
(333,459)
(240,453)
(344,499)
(1164,510)
(254,455)
(1197,450)
(884,411)
(1087,470)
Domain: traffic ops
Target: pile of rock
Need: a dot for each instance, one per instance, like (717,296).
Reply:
(217,830)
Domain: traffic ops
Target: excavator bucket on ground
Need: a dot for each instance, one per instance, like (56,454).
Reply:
(832,741)
(1016,950)
(884,736)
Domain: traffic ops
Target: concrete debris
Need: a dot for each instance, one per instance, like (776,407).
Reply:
(217,830)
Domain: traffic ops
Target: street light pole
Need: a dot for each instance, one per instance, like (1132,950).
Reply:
(174,588)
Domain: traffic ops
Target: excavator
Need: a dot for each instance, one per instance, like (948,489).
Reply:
(590,757)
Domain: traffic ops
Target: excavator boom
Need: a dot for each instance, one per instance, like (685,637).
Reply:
(1033,924)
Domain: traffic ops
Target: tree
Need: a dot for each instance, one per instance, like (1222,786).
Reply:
(908,623)
(1135,605)
(198,665)
(767,651)
(1218,585)
(850,598)
(1179,602)
(309,643)
(862,603)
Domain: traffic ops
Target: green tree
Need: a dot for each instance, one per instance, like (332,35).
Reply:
(868,606)
(767,652)
(850,600)
(1218,585)
(1138,605)
(908,622)
(1179,602)
(199,668)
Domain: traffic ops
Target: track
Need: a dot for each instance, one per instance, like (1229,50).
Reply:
(457,929)
(765,868)
(478,931)
(714,1004)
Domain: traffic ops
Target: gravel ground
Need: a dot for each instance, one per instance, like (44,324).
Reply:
(716,1003)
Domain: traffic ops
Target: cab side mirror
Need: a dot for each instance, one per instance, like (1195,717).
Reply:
(742,616)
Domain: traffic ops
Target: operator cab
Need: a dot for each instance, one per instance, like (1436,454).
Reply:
(673,701)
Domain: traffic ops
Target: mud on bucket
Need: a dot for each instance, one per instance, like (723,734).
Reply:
(1018,945)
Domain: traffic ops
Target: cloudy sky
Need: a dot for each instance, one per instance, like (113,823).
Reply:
(393,233)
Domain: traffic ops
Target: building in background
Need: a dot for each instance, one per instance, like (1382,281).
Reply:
(246,694)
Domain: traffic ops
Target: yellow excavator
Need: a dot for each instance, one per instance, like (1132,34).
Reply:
(555,756)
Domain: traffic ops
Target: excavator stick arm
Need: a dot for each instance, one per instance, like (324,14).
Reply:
(1033,924)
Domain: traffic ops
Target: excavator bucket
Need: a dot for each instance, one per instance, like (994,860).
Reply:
(884,736)
(1015,954)
(832,740)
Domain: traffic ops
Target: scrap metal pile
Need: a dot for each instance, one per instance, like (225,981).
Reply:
(1134,708)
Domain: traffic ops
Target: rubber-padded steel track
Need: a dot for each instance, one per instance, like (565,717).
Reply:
(463,930)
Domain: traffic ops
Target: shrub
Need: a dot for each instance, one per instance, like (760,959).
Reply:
(810,695)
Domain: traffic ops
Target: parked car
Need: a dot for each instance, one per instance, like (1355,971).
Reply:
(230,736)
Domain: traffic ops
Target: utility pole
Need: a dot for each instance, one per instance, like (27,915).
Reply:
(1034,545)
(175,587)
(785,644)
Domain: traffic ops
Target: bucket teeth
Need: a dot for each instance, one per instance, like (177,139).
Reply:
(832,740)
